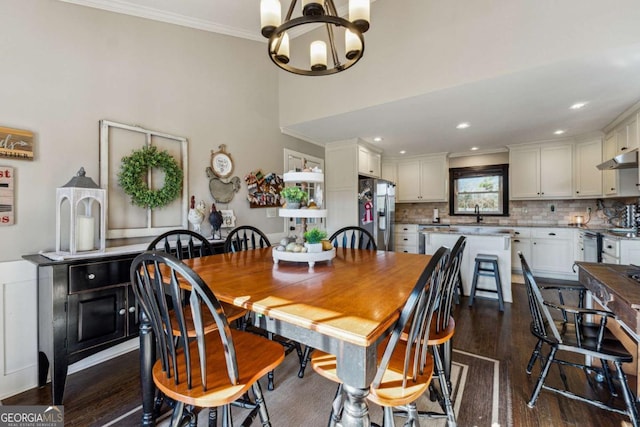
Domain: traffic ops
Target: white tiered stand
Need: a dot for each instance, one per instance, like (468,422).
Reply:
(309,257)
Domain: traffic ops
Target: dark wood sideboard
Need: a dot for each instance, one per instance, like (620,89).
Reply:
(85,305)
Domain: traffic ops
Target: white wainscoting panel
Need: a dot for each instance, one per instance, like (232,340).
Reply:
(19,327)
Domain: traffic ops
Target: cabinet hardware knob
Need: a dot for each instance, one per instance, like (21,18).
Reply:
(516,240)
(577,192)
(91,276)
(122,311)
(609,247)
(623,148)
(552,234)
(132,309)
(516,232)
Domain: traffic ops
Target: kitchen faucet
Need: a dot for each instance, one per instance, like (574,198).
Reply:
(476,210)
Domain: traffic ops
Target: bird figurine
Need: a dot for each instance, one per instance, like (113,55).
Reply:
(216,221)
(196,214)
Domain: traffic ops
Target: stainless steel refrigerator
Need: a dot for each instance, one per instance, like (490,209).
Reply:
(376,210)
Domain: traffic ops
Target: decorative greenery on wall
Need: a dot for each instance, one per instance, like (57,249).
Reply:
(134,169)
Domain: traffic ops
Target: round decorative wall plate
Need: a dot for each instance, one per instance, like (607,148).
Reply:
(221,162)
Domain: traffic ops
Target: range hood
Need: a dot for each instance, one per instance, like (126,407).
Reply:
(621,161)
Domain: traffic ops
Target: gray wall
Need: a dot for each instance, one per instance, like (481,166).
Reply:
(67,66)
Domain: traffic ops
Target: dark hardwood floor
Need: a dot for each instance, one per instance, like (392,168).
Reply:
(96,396)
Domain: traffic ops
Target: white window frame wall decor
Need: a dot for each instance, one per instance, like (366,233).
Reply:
(123,219)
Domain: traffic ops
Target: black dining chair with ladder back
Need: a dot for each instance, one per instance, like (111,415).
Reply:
(405,364)
(197,369)
(572,334)
(247,237)
(187,244)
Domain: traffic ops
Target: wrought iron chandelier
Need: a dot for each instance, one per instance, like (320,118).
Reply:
(323,12)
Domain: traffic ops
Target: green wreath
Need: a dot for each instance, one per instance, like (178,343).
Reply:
(133,172)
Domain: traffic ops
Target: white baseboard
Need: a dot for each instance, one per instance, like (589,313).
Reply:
(103,356)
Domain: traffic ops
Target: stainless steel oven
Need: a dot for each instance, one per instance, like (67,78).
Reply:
(592,244)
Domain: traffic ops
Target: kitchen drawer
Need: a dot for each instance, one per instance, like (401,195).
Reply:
(406,249)
(521,232)
(608,259)
(405,239)
(611,247)
(406,228)
(549,233)
(83,277)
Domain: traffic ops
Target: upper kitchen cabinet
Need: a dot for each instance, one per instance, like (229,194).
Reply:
(368,162)
(423,179)
(389,171)
(617,182)
(626,134)
(588,178)
(541,171)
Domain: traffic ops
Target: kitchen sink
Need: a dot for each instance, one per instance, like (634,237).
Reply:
(481,230)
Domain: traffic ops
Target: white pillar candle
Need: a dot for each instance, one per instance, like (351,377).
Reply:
(270,15)
(352,44)
(318,52)
(359,13)
(282,54)
(84,233)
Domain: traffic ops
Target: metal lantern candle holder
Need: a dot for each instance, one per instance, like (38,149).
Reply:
(84,224)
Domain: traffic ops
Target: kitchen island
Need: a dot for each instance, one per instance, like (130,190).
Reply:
(480,240)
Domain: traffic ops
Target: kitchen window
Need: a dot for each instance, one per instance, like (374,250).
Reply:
(486,187)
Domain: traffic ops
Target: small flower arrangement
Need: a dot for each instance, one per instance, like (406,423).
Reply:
(314,235)
(293,194)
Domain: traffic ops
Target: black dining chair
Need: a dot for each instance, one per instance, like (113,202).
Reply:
(443,327)
(571,336)
(197,369)
(245,237)
(353,237)
(187,244)
(405,365)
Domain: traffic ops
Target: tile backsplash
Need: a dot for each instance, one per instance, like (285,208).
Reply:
(521,212)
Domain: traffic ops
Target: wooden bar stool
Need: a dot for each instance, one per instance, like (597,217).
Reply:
(486,265)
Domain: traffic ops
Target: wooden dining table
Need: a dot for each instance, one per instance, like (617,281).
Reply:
(344,307)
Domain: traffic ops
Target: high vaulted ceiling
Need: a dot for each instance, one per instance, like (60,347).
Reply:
(527,105)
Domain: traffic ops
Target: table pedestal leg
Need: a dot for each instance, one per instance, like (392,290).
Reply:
(355,412)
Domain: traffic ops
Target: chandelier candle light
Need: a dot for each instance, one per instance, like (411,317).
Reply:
(323,12)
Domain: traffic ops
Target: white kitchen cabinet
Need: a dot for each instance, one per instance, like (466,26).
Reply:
(541,171)
(626,135)
(520,242)
(423,179)
(630,252)
(552,251)
(621,182)
(388,171)
(341,185)
(368,162)
(588,178)
(406,238)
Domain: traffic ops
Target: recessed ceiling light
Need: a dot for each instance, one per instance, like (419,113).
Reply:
(578,105)
(474,148)
(558,132)
(377,139)
(402,151)
(463,125)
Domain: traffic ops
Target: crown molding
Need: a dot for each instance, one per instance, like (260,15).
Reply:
(126,8)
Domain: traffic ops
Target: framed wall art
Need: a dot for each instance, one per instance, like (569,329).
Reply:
(228,218)
(7,205)
(16,143)
(127,216)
